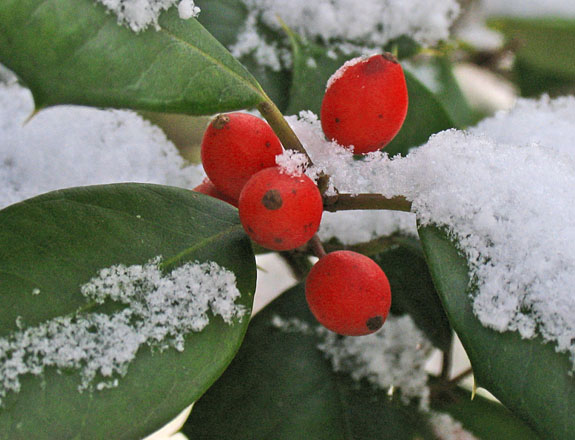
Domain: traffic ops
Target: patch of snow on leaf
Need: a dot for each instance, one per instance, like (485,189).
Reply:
(68,146)
(446,427)
(138,15)
(161,309)
(393,357)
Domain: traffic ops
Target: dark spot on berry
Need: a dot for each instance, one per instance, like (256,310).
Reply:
(374,323)
(278,240)
(294,191)
(220,121)
(268,144)
(337,120)
(250,230)
(380,116)
(374,65)
(272,200)
(389,57)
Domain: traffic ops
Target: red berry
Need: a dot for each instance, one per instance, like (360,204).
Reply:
(280,211)
(365,103)
(235,146)
(209,189)
(348,293)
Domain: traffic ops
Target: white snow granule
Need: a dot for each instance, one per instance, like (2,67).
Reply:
(341,70)
(161,309)
(393,357)
(508,205)
(138,15)
(68,146)
(545,121)
(446,427)
(355,26)
(292,163)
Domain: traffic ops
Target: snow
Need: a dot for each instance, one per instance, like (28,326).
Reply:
(445,427)
(530,8)
(69,146)
(161,309)
(392,358)
(545,121)
(138,15)
(362,27)
(506,199)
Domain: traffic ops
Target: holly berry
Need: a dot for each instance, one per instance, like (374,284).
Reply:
(280,211)
(365,103)
(348,293)
(209,189)
(235,146)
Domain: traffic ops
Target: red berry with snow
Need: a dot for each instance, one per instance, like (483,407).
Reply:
(280,211)
(365,103)
(209,189)
(235,146)
(348,293)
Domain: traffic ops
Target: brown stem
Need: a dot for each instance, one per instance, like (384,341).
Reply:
(281,128)
(344,202)
(461,376)
(317,247)
(446,364)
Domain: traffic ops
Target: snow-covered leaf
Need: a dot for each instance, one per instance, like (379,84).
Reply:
(527,375)
(282,386)
(91,280)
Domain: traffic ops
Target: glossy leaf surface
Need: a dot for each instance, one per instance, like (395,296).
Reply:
(527,376)
(280,386)
(56,243)
(73,52)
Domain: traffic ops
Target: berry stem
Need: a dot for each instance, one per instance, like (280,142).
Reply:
(287,136)
(317,247)
(281,128)
(347,202)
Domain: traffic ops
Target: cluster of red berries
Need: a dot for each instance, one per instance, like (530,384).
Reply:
(363,108)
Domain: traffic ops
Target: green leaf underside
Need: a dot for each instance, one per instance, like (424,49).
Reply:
(73,52)
(413,293)
(484,418)
(280,386)
(57,242)
(528,376)
(545,62)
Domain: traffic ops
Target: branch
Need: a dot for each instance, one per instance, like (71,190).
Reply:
(345,202)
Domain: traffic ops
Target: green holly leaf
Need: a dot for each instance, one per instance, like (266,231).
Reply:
(225,20)
(413,293)
(281,386)
(53,244)
(312,67)
(73,52)
(545,62)
(482,417)
(528,376)
(437,74)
